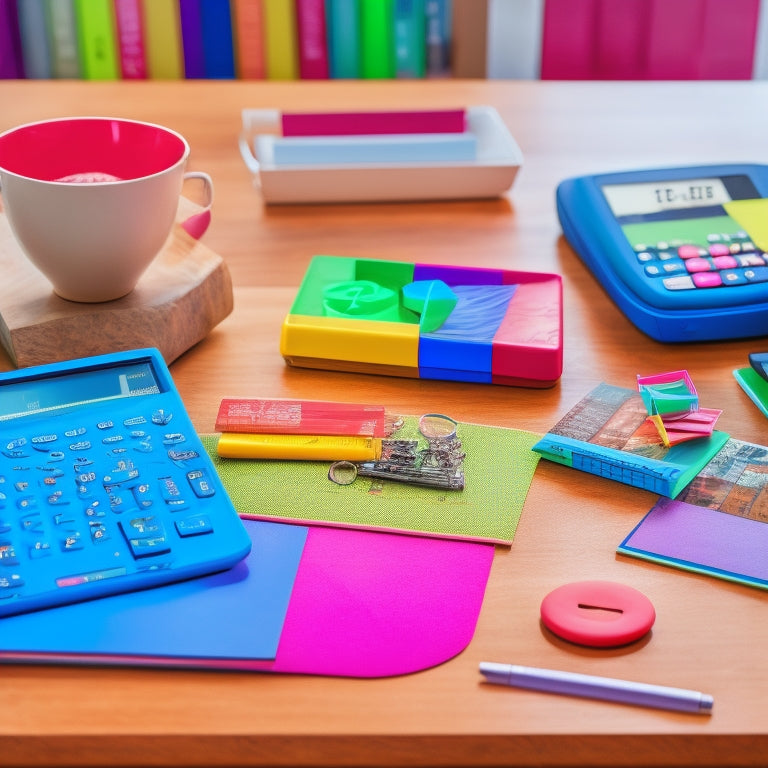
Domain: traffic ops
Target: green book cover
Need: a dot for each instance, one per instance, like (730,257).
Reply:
(608,434)
(377,59)
(97,42)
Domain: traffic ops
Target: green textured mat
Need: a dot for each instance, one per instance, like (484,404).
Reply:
(498,470)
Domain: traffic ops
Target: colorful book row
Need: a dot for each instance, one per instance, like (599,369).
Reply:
(224,39)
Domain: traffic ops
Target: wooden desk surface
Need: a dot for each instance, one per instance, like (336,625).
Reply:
(709,635)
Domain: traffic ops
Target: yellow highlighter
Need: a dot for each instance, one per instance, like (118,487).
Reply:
(238,445)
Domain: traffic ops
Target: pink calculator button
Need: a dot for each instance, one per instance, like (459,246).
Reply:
(598,613)
(719,249)
(688,251)
(698,265)
(707,279)
(725,262)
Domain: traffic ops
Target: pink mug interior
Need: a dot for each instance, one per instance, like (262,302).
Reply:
(90,149)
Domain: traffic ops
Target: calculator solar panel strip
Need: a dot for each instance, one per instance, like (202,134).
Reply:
(105,486)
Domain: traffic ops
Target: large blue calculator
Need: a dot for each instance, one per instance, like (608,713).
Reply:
(682,251)
(105,486)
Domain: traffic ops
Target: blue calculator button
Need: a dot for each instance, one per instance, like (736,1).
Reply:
(99,532)
(200,483)
(733,277)
(756,275)
(8,555)
(71,542)
(194,526)
(10,584)
(161,417)
(39,550)
(145,536)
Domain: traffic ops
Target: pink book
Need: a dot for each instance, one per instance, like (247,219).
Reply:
(313,47)
(130,39)
(728,39)
(568,40)
(674,39)
(368,123)
(622,40)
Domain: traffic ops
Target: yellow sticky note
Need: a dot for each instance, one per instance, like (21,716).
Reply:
(752,217)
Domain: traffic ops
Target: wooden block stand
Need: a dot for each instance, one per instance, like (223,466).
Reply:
(186,291)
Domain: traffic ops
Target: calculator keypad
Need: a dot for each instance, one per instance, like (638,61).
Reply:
(98,501)
(726,260)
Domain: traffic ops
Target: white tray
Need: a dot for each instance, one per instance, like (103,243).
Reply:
(498,160)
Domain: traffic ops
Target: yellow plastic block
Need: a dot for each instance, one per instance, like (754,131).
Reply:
(364,341)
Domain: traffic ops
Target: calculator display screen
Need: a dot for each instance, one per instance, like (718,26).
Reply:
(676,199)
(83,387)
(676,211)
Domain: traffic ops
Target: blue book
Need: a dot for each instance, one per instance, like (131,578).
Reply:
(190,16)
(409,31)
(35,47)
(218,42)
(342,21)
(218,620)
(438,37)
(394,148)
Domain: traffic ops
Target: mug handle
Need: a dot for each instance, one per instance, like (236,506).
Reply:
(198,223)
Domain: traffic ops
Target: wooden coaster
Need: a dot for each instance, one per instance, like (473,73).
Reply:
(185,293)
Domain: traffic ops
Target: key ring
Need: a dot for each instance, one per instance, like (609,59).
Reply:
(342,472)
(437,426)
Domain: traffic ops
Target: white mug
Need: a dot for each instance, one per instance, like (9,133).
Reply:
(92,200)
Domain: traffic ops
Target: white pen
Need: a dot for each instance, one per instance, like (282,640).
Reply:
(591,686)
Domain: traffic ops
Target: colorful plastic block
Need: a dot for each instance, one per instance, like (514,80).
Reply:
(469,324)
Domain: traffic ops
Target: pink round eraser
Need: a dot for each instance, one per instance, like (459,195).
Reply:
(598,613)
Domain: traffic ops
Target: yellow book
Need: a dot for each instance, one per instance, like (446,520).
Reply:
(281,50)
(162,39)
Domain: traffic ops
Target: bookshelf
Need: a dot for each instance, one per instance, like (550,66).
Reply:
(384,39)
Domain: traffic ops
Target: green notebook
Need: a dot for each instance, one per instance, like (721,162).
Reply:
(498,469)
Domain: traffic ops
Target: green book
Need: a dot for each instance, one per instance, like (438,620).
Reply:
(608,434)
(377,55)
(97,42)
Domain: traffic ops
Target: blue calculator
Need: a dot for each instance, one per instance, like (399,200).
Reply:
(105,486)
(682,251)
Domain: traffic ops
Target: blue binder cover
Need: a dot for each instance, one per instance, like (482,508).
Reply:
(235,614)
